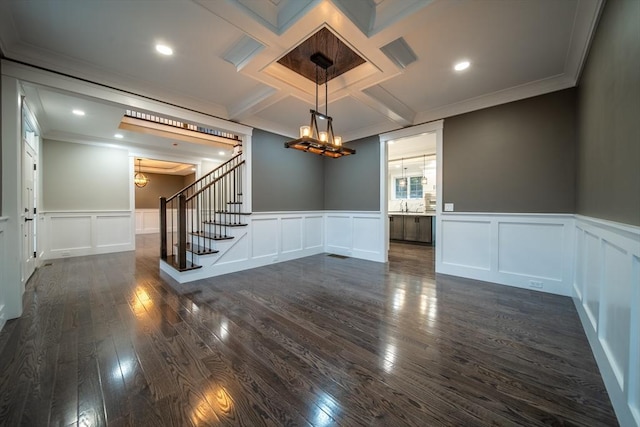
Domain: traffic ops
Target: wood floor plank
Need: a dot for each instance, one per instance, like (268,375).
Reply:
(90,393)
(317,341)
(64,403)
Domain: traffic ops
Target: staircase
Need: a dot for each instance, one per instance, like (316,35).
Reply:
(200,221)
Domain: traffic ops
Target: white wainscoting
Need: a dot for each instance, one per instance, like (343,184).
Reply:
(532,251)
(282,236)
(3,269)
(356,234)
(147,221)
(606,293)
(87,233)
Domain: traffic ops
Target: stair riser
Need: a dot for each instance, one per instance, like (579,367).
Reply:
(224,230)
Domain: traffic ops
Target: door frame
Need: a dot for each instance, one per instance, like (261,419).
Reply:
(431,127)
(28,209)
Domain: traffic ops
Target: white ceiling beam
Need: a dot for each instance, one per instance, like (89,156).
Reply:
(256,103)
(382,101)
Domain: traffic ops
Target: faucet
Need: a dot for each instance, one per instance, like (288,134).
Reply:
(402,209)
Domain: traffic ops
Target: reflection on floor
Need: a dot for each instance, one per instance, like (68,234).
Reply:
(316,341)
(413,258)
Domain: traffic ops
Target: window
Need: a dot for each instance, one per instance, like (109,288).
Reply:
(414,187)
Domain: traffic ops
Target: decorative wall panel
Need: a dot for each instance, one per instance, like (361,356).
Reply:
(86,233)
(291,234)
(523,250)
(608,272)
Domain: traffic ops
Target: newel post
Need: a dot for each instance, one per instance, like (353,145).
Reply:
(163,228)
(182,231)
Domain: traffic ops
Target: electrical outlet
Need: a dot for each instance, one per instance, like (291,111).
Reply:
(448,207)
(535,284)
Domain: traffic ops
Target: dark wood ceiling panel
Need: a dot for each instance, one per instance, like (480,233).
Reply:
(325,42)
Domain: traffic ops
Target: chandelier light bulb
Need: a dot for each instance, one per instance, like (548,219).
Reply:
(305,131)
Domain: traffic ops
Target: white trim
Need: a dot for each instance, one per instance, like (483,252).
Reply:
(3,269)
(11,170)
(272,237)
(606,293)
(431,127)
(80,233)
(147,221)
(47,78)
(504,96)
(531,251)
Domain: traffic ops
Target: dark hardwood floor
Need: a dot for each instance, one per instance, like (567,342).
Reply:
(318,341)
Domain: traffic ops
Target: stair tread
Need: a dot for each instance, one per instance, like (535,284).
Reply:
(233,213)
(224,224)
(211,236)
(200,250)
(172,260)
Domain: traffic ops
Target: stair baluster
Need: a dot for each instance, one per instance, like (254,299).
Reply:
(202,214)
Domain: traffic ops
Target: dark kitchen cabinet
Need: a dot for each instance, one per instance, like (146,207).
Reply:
(411,228)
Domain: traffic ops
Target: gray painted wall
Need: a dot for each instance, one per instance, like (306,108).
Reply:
(517,157)
(284,179)
(84,177)
(0,140)
(609,118)
(160,185)
(353,182)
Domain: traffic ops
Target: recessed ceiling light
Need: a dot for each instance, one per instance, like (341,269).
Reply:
(118,135)
(164,49)
(78,112)
(222,153)
(460,66)
(193,169)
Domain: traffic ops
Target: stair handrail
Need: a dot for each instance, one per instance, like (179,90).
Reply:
(218,178)
(193,184)
(184,198)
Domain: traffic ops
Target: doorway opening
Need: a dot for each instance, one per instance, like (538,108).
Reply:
(411,192)
(165,178)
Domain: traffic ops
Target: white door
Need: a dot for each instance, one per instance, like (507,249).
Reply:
(29,212)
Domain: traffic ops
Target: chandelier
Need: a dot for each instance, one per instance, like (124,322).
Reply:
(140,179)
(312,139)
(424,170)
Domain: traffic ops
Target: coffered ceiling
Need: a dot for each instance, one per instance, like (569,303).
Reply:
(226,55)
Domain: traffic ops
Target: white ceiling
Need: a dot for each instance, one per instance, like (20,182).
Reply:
(517,49)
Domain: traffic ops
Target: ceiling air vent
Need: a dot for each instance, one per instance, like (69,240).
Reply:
(399,52)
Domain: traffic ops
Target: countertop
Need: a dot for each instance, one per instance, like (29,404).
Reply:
(428,213)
